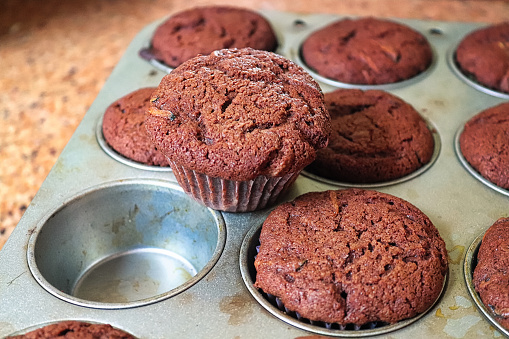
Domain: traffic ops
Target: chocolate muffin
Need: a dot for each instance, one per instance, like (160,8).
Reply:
(124,128)
(483,143)
(367,51)
(75,329)
(202,30)
(351,257)
(483,55)
(375,137)
(491,275)
(238,126)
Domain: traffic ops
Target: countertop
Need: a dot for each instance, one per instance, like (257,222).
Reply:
(55,57)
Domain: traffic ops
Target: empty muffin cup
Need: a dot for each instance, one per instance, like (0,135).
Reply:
(125,244)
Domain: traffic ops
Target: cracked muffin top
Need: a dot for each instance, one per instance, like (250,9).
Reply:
(484,56)
(239,113)
(490,278)
(376,137)
(201,30)
(367,51)
(351,257)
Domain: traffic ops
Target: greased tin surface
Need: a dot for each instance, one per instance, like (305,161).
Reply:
(217,303)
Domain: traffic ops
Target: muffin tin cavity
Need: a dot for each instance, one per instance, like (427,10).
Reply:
(469,265)
(125,244)
(470,169)
(470,79)
(424,168)
(248,252)
(119,157)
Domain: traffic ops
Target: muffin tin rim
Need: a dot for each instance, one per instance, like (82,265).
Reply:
(468,271)
(47,286)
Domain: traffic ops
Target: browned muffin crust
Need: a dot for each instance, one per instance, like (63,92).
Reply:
(484,144)
(375,137)
(484,56)
(351,257)
(201,30)
(124,128)
(491,275)
(238,114)
(74,330)
(367,51)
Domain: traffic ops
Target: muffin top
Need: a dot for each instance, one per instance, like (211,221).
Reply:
(351,257)
(201,30)
(124,130)
(484,55)
(75,329)
(490,279)
(375,137)
(483,143)
(367,51)
(237,114)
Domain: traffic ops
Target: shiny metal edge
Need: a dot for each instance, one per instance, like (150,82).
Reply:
(249,242)
(468,270)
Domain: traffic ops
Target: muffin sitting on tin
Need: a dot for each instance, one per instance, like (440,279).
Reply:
(491,275)
(202,30)
(484,144)
(351,257)
(376,137)
(484,56)
(124,128)
(237,126)
(367,51)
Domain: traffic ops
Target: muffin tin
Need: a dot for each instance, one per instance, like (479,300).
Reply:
(179,269)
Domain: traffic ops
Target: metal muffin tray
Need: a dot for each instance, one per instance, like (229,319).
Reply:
(105,240)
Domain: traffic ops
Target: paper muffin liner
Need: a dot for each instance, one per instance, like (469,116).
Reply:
(231,195)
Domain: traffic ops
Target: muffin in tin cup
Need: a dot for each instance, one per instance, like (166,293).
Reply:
(490,277)
(367,51)
(351,257)
(376,137)
(483,57)
(238,126)
(73,329)
(203,29)
(483,144)
(123,130)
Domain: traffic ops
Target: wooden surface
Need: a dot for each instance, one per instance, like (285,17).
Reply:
(56,55)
